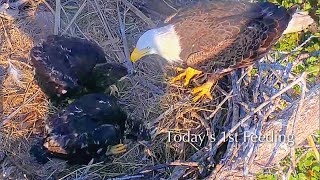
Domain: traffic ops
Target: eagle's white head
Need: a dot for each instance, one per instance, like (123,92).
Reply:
(162,41)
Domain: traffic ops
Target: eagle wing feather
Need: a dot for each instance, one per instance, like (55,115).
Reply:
(222,35)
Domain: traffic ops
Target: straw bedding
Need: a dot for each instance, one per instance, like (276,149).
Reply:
(145,95)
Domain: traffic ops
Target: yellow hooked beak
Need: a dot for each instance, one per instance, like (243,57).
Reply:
(138,54)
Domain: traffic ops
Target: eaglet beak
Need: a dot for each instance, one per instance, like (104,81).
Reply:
(138,54)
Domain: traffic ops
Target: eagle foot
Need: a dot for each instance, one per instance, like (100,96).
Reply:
(179,69)
(117,149)
(203,90)
(187,75)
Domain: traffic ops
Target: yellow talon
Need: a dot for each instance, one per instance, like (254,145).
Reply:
(117,149)
(203,90)
(188,74)
(179,69)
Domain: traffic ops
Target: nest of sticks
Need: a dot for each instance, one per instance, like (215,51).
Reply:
(242,101)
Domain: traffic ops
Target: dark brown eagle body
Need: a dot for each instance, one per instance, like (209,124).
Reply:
(222,36)
(70,67)
(86,129)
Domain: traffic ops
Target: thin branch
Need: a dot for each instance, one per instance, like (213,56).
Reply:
(106,26)
(6,35)
(292,148)
(75,16)
(314,148)
(57,18)
(7,119)
(48,6)
(128,63)
(139,14)
(234,128)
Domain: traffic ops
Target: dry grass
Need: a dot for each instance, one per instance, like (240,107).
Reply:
(146,95)
(23,105)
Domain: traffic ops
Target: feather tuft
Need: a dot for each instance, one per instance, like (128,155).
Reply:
(15,74)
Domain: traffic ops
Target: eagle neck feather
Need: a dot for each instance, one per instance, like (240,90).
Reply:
(168,44)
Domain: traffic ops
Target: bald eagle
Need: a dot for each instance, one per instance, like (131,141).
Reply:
(215,38)
(70,67)
(91,127)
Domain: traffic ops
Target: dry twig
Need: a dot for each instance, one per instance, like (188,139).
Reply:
(57,17)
